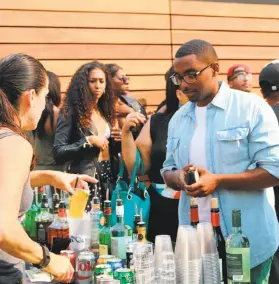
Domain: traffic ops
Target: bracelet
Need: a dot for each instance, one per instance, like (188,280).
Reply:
(46,258)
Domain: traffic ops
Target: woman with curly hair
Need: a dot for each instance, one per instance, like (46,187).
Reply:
(85,138)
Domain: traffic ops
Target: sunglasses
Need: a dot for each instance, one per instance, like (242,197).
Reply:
(124,79)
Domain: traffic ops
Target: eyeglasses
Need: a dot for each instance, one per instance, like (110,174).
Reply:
(124,79)
(188,78)
(241,77)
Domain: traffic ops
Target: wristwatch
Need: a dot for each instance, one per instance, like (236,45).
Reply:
(46,259)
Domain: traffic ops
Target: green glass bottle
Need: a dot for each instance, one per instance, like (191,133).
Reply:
(105,234)
(30,223)
(40,194)
(237,253)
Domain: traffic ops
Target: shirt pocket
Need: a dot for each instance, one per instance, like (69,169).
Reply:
(233,145)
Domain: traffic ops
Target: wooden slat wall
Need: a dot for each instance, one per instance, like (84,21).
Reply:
(65,34)
(241,33)
(141,36)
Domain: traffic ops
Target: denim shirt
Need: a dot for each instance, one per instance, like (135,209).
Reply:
(241,134)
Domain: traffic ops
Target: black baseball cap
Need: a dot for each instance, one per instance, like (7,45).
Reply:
(269,77)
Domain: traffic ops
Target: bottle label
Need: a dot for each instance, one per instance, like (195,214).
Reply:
(118,247)
(215,219)
(103,249)
(120,210)
(195,215)
(42,236)
(142,234)
(238,264)
(129,258)
(221,270)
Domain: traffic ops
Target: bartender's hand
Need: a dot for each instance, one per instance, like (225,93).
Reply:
(67,182)
(206,185)
(60,268)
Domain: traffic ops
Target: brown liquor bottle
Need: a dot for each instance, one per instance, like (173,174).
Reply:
(194,212)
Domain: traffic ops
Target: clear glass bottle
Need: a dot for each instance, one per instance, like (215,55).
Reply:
(237,253)
(55,202)
(131,245)
(118,244)
(96,216)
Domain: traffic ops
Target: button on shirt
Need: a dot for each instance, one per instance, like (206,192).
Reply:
(197,157)
(241,134)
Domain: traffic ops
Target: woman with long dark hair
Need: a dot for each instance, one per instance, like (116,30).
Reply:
(44,133)
(151,142)
(23,88)
(83,139)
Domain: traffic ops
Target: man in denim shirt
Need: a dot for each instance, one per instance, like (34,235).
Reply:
(232,138)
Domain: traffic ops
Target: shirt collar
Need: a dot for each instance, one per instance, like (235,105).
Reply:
(220,100)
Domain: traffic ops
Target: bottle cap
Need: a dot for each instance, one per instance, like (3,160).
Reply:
(62,205)
(141,224)
(193,201)
(214,203)
(236,218)
(107,203)
(137,218)
(119,202)
(96,200)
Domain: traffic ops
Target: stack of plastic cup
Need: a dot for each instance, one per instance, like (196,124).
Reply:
(164,260)
(209,254)
(144,263)
(188,262)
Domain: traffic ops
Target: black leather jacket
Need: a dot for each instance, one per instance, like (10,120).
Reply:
(71,149)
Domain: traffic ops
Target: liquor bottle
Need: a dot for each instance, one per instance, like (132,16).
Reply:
(141,226)
(59,228)
(118,247)
(96,218)
(194,212)
(237,252)
(41,192)
(192,176)
(220,241)
(55,202)
(30,223)
(43,220)
(105,233)
(130,247)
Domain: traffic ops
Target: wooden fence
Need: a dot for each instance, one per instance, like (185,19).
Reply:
(141,36)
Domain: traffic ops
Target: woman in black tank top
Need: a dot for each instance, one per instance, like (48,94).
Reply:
(163,219)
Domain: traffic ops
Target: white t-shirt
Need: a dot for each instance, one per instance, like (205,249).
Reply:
(197,157)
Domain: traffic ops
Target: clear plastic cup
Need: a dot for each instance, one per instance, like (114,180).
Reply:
(80,232)
(78,203)
(209,253)
(206,238)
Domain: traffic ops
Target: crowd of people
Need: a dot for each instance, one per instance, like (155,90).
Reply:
(224,130)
